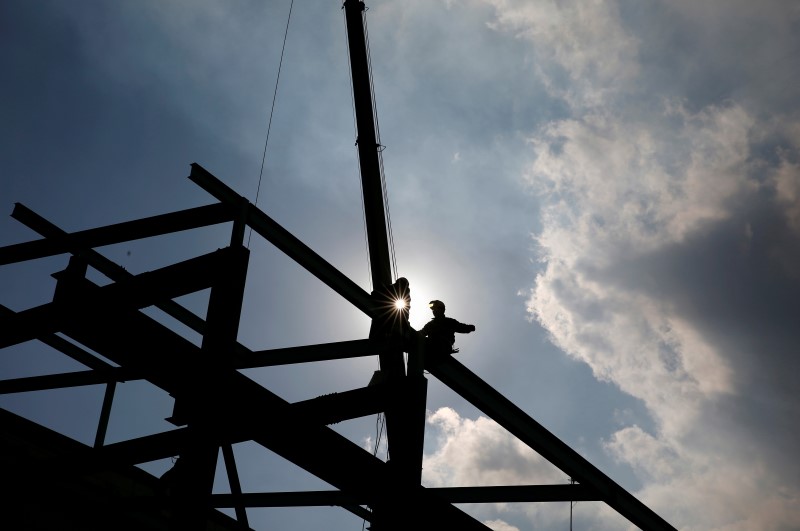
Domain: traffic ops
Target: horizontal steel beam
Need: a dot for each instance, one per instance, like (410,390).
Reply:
(166,283)
(135,292)
(147,448)
(338,407)
(120,232)
(480,394)
(309,353)
(69,379)
(512,494)
(105,266)
(19,327)
(285,241)
(65,347)
(313,498)
(516,494)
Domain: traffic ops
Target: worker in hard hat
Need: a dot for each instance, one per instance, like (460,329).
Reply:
(440,332)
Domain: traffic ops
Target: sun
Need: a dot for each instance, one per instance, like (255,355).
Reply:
(399,304)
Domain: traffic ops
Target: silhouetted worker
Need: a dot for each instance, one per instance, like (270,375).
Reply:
(401,298)
(392,305)
(440,332)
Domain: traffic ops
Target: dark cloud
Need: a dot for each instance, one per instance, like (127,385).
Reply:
(736,281)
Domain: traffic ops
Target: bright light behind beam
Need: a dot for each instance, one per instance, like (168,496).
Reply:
(400,304)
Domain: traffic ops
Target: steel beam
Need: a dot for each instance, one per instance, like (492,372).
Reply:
(201,399)
(68,379)
(309,353)
(319,498)
(311,498)
(516,494)
(233,481)
(65,347)
(137,292)
(166,283)
(120,232)
(105,266)
(145,449)
(338,407)
(285,241)
(105,414)
(507,414)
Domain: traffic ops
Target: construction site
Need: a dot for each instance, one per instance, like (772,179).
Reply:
(55,482)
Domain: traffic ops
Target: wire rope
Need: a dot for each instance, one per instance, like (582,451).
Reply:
(271,113)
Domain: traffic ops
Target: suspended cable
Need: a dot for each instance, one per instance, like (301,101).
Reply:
(271,112)
(572,504)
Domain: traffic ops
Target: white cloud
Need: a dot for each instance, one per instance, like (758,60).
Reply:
(500,525)
(582,49)
(786,180)
(706,490)
(669,199)
(481,453)
(619,193)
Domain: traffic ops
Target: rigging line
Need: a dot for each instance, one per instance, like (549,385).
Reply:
(380,427)
(271,112)
(380,147)
(388,216)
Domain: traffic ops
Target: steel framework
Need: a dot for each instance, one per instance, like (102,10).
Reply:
(108,320)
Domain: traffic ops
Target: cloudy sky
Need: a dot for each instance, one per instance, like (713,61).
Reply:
(609,190)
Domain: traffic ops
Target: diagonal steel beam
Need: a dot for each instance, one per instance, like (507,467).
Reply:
(120,232)
(507,414)
(285,241)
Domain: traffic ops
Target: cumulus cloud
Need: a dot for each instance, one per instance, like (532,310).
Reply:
(481,453)
(669,229)
(582,49)
(500,525)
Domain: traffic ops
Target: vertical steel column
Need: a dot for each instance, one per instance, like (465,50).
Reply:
(406,403)
(233,481)
(194,478)
(105,414)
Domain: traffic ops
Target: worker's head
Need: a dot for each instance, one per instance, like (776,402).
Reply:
(437,307)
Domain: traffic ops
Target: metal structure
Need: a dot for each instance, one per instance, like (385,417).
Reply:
(107,320)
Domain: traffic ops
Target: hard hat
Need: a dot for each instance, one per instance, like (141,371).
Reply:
(436,304)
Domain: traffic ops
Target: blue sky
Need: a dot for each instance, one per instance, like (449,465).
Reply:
(608,190)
